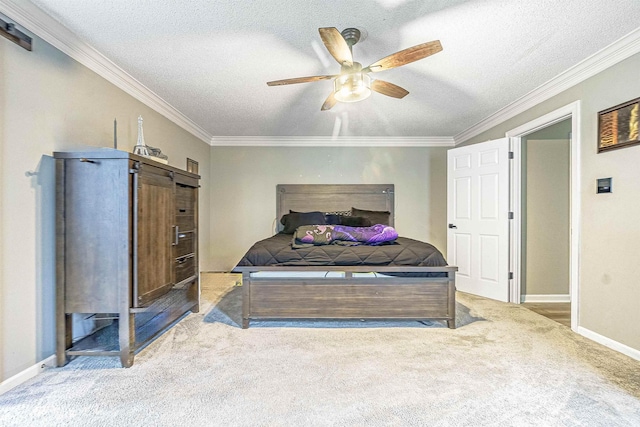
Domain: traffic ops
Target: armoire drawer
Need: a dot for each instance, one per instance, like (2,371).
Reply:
(185,200)
(185,244)
(185,268)
(185,222)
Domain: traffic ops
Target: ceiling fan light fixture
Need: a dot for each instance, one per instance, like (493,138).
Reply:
(352,87)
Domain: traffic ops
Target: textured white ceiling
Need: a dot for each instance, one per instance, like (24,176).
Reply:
(211,59)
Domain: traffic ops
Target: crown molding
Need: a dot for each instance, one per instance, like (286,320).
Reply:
(321,141)
(616,52)
(36,21)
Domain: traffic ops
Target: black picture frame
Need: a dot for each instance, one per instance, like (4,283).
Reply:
(619,126)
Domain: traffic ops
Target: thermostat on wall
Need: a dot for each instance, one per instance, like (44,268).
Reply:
(604,185)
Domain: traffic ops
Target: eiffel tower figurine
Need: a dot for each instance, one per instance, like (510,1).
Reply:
(140,148)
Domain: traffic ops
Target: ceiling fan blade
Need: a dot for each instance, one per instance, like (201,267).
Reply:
(336,45)
(389,89)
(405,56)
(300,80)
(329,102)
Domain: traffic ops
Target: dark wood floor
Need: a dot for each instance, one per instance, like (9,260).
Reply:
(558,311)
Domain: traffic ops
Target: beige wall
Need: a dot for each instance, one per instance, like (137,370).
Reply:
(609,302)
(49,102)
(243,194)
(546,220)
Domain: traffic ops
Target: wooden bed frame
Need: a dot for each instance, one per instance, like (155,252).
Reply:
(351,296)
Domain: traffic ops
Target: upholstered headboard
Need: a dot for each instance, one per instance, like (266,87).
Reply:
(334,198)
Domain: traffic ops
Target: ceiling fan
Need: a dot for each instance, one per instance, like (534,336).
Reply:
(354,83)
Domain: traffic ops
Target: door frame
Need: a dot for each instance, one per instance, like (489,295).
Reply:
(570,111)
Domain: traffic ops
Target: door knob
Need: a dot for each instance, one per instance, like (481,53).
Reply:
(452,226)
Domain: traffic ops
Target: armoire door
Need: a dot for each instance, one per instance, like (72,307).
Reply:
(153,233)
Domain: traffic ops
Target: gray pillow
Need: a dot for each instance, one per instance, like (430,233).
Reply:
(293,220)
(355,221)
(376,217)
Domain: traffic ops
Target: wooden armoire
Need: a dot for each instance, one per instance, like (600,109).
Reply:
(126,251)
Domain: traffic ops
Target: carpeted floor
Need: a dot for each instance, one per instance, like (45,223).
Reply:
(503,366)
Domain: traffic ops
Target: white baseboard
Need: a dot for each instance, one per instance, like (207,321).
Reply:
(546,298)
(608,342)
(27,374)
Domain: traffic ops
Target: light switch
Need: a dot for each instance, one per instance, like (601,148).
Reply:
(604,185)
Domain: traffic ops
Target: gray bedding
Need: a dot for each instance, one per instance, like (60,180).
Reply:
(277,251)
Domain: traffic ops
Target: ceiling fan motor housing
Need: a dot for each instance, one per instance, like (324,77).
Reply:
(355,68)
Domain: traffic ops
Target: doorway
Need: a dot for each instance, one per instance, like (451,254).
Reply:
(544,273)
(531,276)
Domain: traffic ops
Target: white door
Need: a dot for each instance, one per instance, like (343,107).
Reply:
(478,217)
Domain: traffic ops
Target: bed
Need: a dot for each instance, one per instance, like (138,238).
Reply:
(331,285)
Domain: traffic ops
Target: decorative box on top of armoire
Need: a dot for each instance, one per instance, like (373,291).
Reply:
(126,248)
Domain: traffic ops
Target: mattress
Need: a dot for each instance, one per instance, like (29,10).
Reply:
(277,251)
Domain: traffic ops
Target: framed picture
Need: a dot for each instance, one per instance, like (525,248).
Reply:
(192,166)
(618,126)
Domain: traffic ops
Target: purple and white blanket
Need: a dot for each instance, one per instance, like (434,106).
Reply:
(315,235)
